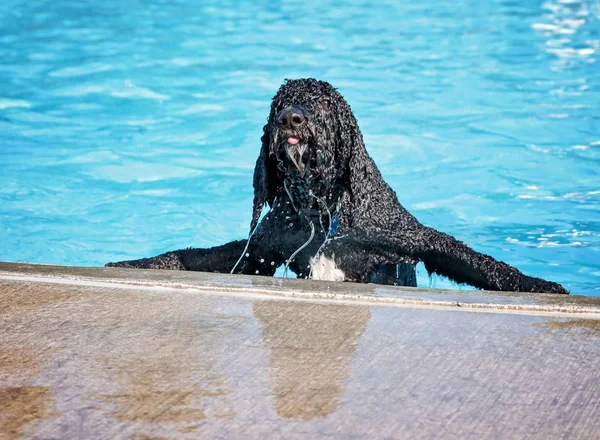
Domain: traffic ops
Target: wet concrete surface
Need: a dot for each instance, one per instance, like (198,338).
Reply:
(112,353)
(310,289)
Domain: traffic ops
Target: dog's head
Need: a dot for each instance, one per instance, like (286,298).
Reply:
(307,145)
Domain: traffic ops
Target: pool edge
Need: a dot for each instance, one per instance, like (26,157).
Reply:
(499,302)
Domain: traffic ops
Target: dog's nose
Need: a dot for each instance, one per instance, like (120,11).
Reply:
(292,117)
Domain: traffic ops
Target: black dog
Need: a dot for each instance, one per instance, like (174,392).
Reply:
(332,216)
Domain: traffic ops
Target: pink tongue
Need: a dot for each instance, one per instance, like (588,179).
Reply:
(293,141)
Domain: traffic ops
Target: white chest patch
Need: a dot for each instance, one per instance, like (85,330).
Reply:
(325,269)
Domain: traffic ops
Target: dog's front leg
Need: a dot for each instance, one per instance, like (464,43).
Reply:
(447,256)
(361,250)
(216,259)
(222,259)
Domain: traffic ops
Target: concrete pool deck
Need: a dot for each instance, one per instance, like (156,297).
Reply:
(116,353)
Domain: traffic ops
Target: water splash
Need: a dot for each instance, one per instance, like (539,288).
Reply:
(312,235)
(244,252)
(245,249)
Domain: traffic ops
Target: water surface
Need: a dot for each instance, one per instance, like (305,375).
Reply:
(131,128)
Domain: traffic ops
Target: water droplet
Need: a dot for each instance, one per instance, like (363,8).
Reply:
(291,224)
(248,254)
(272,263)
(262,260)
(287,217)
(256,272)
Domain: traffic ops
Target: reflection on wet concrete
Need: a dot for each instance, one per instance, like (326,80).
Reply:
(588,326)
(144,363)
(168,367)
(310,349)
(17,363)
(24,356)
(171,372)
(147,437)
(23,403)
(128,362)
(22,406)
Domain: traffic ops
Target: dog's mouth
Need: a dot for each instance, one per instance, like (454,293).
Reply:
(293,151)
(304,169)
(296,152)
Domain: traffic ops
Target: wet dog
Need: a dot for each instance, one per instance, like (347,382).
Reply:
(331,215)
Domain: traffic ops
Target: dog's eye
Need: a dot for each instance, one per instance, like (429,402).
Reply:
(325,103)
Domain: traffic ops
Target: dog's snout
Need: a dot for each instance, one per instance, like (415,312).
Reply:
(292,118)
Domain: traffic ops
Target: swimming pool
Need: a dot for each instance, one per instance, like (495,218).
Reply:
(131,128)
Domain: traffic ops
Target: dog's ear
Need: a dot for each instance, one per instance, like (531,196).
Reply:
(360,171)
(264,190)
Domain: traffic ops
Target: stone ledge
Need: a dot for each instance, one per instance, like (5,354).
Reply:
(312,290)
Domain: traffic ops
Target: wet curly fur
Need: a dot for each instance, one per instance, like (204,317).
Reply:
(329,204)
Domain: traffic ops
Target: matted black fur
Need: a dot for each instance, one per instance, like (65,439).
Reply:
(327,198)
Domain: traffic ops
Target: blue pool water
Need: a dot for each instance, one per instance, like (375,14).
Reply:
(131,128)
